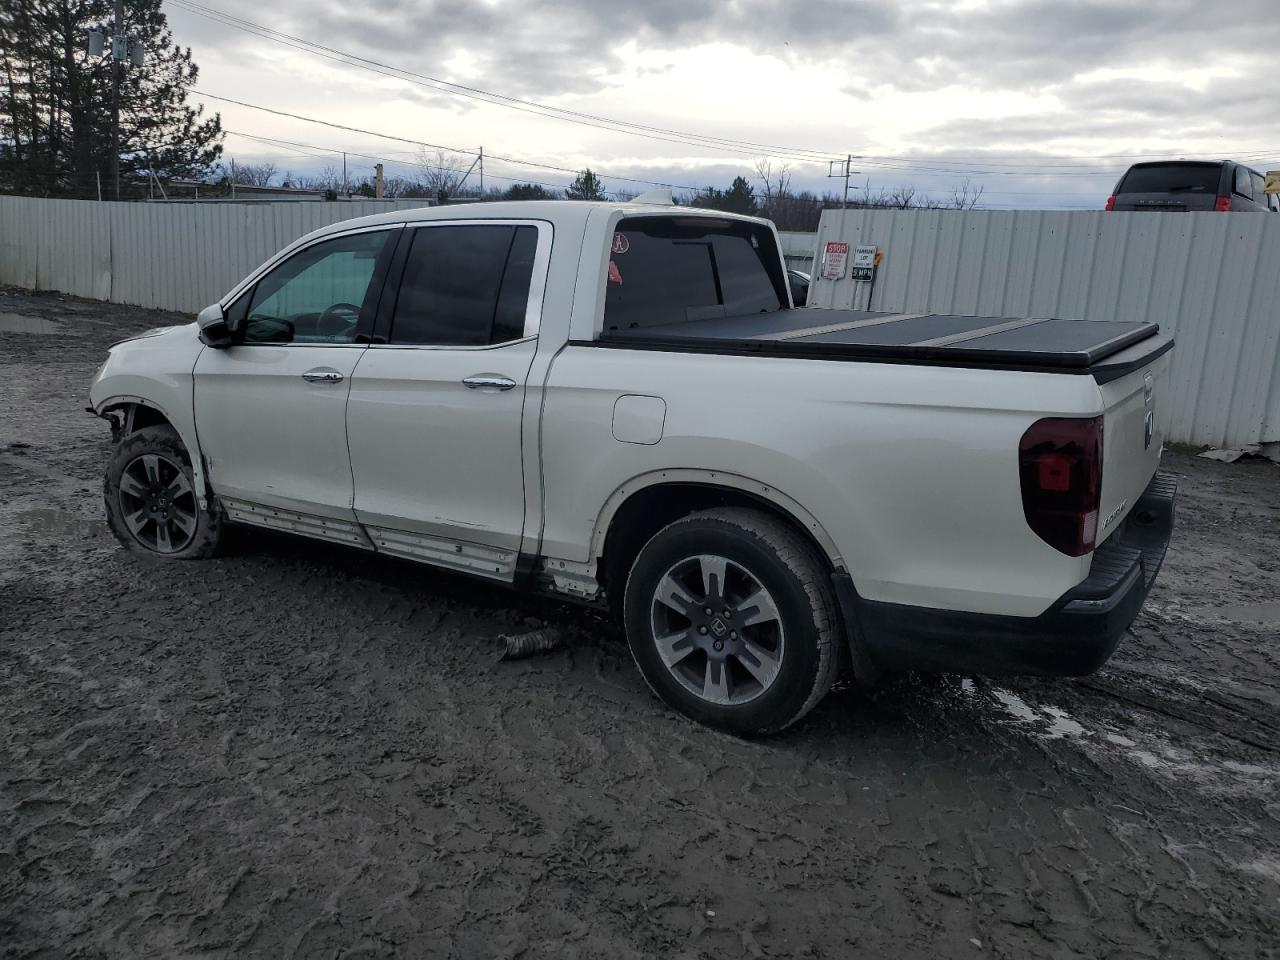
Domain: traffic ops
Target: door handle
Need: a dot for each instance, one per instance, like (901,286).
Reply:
(491,381)
(322,375)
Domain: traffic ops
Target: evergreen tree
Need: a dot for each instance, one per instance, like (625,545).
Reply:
(528,191)
(587,186)
(739,198)
(55,101)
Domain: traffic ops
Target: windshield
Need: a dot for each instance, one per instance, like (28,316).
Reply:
(1172,178)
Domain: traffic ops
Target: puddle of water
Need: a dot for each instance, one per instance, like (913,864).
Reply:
(1052,723)
(1061,724)
(20,323)
(1209,774)
(1015,706)
(1149,749)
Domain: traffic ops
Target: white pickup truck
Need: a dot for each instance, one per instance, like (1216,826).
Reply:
(618,404)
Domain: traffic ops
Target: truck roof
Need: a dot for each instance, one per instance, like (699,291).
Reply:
(567,213)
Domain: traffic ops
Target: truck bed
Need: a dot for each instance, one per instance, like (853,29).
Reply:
(1036,344)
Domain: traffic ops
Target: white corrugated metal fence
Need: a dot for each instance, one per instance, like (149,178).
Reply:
(1212,279)
(175,256)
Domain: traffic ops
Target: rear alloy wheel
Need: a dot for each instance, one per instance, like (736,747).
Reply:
(730,617)
(717,629)
(151,499)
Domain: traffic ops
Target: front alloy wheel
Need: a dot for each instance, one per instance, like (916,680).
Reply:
(151,500)
(158,503)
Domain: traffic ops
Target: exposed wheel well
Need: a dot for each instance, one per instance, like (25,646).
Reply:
(647,511)
(137,416)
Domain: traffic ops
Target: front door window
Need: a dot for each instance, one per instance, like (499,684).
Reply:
(316,296)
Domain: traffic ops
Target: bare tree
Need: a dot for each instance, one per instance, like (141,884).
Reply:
(442,173)
(966,196)
(776,181)
(902,198)
(253,174)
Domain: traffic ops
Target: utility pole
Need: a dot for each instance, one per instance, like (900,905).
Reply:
(344,173)
(118,40)
(482,173)
(377,181)
(121,47)
(842,168)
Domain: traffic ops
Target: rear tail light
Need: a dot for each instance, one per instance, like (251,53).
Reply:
(1111,203)
(1060,472)
(1223,205)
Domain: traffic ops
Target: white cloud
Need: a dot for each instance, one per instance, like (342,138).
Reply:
(1006,80)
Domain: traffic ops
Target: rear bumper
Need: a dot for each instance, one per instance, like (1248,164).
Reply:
(1074,637)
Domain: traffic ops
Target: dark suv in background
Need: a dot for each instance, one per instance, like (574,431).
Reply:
(1222,185)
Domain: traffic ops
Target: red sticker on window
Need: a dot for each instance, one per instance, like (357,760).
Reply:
(620,244)
(614,275)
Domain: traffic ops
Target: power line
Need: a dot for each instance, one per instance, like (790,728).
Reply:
(434,146)
(334,151)
(741,147)
(325,152)
(957,164)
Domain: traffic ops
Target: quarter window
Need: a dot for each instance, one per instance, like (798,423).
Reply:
(465,285)
(316,296)
(1243,186)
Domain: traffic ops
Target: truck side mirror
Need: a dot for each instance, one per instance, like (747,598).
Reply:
(212,324)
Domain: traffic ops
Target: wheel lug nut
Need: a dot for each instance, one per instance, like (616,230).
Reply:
(718,645)
(703,631)
(733,635)
(707,611)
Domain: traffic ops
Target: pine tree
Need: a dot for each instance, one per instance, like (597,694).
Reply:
(587,186)
(55,102)
(739,198)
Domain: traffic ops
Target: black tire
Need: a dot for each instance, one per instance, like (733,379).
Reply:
(162,446)
(804,645)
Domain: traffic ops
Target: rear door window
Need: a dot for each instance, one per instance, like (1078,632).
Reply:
(465,285)
(1259,186)
(1172,178)
(672,269)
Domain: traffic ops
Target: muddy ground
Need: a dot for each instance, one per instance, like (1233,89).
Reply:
(299,751)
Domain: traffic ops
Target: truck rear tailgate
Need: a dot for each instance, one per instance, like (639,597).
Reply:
(1132,431)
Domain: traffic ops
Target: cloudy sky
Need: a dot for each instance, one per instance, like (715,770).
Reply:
(1042,103)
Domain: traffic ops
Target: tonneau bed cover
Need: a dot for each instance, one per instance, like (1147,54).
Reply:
(1036,344)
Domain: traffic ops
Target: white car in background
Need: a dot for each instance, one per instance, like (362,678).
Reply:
(618,404)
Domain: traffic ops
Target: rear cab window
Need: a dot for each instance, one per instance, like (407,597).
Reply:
(1172,178)
(675,269)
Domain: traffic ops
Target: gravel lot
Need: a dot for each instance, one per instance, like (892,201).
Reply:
(299,751)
